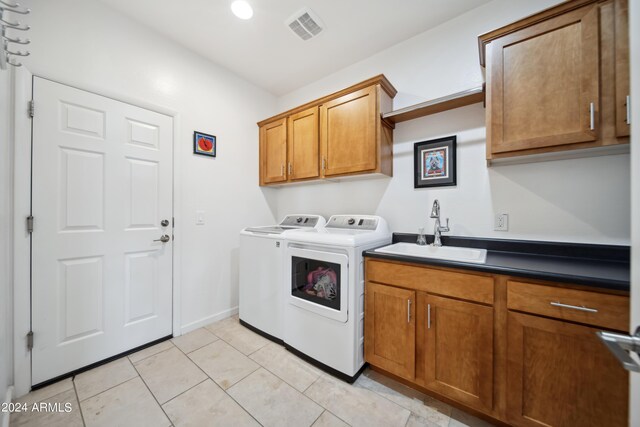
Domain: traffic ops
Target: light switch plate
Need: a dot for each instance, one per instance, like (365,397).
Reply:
(501,222)
(199,217)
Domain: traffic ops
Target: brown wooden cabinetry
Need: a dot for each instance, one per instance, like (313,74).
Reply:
(392,329)
(518,351)
(560,374)
(338,135)
(303,145)
(459,350)
(273,152)
(555,79)
(622,99)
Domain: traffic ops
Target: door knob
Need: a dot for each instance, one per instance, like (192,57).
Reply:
(164,239)
(164,222)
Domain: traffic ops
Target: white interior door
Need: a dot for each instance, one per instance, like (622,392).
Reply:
(101,185)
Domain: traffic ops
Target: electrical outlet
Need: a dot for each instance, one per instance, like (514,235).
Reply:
(501,222)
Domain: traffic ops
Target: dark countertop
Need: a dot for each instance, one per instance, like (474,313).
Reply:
(600,266)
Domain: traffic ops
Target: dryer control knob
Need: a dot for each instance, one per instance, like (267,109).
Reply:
(299,219)
(351,221)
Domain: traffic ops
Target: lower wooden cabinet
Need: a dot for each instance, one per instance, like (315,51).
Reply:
(560,374)
(390,329)
(459,350)
(515,350)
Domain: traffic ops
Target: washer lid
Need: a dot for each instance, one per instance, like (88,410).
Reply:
(269,229)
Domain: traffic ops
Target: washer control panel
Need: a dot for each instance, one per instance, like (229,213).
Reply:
(353,222)
(299,221)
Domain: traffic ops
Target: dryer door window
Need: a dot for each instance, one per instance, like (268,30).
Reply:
(318,281)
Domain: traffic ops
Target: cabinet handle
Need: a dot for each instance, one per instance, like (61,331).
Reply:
(592,116)
(573,307)
(628,104)
(324,164)
(408,311)
(282,169)
(289,168)
(428,316)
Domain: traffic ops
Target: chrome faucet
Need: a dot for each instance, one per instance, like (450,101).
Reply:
(438,229)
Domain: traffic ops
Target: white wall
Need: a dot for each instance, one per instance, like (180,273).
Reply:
(88,45)
(634,27)
(6,295)
(580,200)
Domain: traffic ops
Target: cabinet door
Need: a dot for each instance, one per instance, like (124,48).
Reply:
(560,374)
(543,84)
(304,153)
(390,329)
(348,133)
(459,350)
(623,110)
(273,152)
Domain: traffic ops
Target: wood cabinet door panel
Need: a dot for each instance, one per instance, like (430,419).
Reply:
(348,132)
(459,350)
(273,152)
(304,155)
(560,374)
(390,325)
(543,80)
(621,11)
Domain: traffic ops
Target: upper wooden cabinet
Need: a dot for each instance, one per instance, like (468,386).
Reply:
(623,98)
(303,145)
(337,135)
(273,152)
(552,80)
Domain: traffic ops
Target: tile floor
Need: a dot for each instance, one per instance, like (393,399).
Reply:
(226,375)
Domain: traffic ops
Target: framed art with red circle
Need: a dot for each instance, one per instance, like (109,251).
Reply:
(204,144)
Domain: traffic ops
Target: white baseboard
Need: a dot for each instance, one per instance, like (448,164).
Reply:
(207,320)
(7,399)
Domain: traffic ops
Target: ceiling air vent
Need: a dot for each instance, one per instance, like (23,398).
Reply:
(305,24)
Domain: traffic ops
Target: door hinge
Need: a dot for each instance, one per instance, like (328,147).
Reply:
(30,224)
(32,108)
(30,340)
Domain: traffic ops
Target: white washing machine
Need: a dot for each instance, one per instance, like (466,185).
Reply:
(324,291)
(261,265)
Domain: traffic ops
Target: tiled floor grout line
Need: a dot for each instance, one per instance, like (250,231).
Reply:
(154,396)
(75,391)
(181,393)
(240,405)
(113,386)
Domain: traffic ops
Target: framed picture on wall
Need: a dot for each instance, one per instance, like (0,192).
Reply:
(435,162)
(204,144)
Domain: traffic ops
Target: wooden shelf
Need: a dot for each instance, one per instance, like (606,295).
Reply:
(438,105)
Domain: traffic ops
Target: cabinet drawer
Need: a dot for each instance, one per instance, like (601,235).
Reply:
(592,308)
(471,287)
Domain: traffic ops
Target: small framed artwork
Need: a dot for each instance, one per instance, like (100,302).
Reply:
(435,162)
(204,144)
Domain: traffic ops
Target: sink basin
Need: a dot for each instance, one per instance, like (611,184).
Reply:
(449,253)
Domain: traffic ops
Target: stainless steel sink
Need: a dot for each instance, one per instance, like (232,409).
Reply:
(449,253)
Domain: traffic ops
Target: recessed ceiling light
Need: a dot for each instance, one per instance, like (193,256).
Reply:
(242,9)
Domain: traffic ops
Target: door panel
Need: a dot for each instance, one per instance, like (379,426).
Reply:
(102,182)
(273,152)
(349,132)
(304,144)
(459,350)
(560,374)
(390,329)
(546,102)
